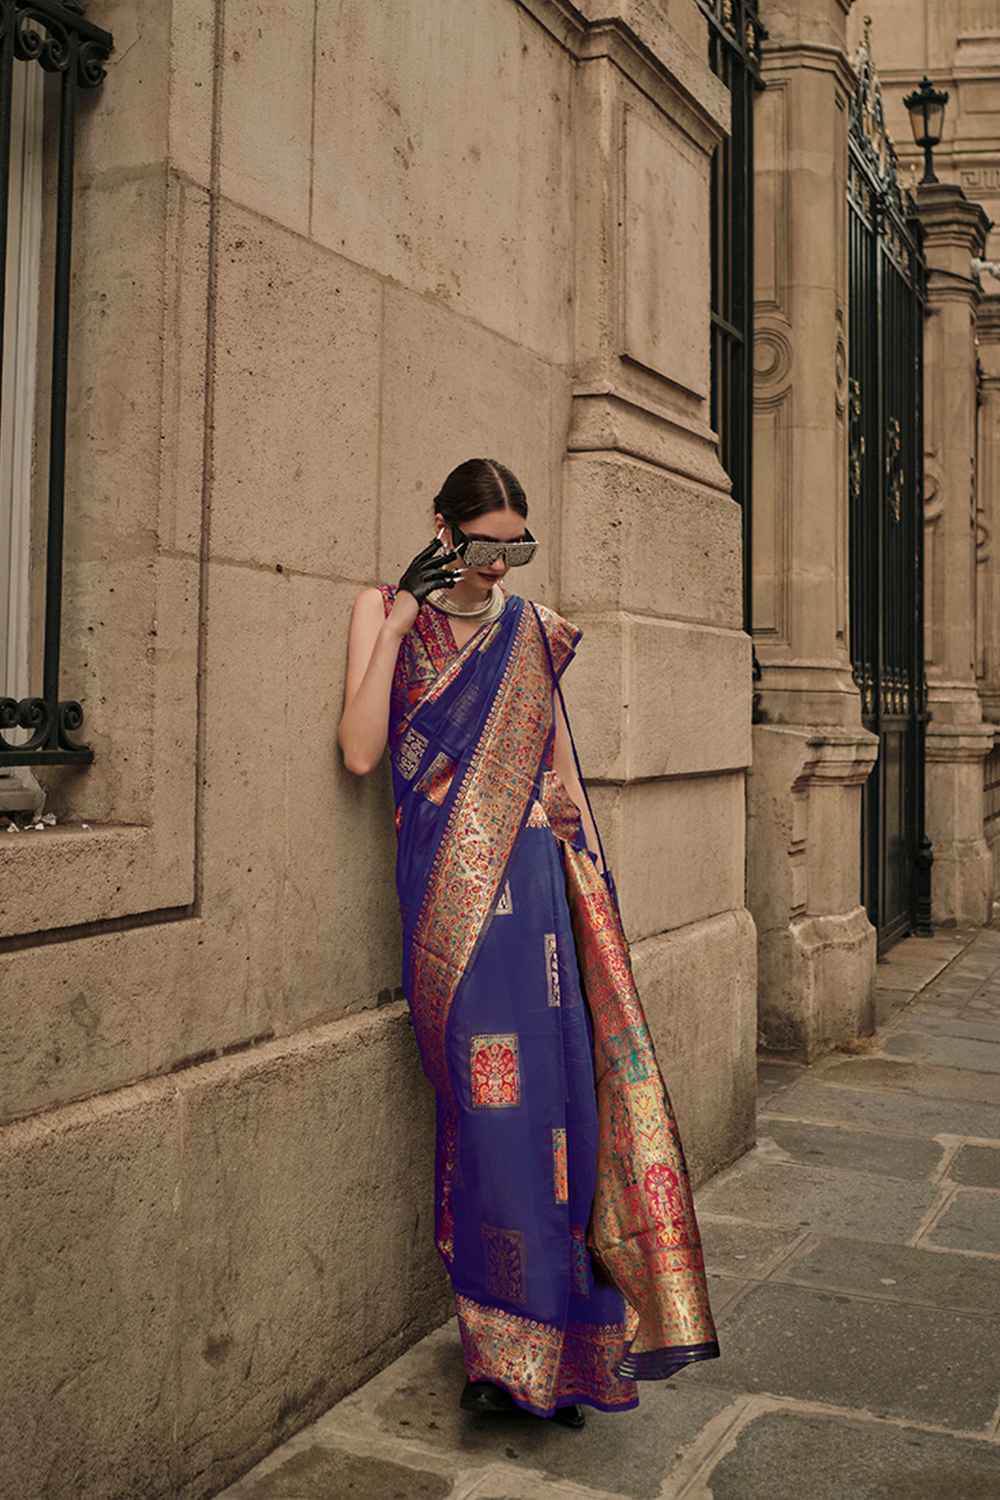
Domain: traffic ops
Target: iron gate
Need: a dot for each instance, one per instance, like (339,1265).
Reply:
(887,276)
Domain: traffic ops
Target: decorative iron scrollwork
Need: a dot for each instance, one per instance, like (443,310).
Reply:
(52,725)
(856,439)
(66,37)
(894,468)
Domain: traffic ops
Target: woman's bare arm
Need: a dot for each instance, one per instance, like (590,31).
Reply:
(372,649)
(564,764)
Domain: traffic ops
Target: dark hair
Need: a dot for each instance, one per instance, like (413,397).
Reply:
(477,486)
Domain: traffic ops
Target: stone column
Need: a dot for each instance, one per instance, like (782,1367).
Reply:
(660,696)
(811,754)
(957,738)
(988,506)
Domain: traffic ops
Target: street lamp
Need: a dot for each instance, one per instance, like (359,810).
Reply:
(926,110)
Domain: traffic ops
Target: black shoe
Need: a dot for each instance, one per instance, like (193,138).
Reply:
(569,1416)
(484,1396)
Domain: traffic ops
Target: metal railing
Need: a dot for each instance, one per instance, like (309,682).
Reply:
(55,35)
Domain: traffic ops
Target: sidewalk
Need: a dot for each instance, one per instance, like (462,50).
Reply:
(855,1265)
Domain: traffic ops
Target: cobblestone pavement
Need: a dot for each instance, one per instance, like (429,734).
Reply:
(855,1263)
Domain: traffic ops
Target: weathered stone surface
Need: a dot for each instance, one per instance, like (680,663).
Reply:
(306,1224)
(784,1455)
(978,1054)
(970,1222)
(859,1151)
(899,1273)
(932,1081)
(977,1166)
(626,1453)
(799,1197)
(880,1109)
(737,1249)
(467,205)
(886,1358)
(296,485)
(319,1473)
(88,1243)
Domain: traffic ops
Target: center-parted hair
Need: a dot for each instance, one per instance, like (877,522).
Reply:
(476,487)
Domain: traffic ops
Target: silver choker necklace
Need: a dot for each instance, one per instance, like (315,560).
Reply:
(492,605)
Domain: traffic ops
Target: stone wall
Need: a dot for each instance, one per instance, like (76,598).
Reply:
(322,254)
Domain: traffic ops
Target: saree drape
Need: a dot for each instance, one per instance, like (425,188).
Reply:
(563,1209)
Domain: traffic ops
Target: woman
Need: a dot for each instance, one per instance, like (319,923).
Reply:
(563,1209)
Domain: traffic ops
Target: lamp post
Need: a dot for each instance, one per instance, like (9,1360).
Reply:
(926,110)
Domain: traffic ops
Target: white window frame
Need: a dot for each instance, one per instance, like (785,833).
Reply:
(17,412)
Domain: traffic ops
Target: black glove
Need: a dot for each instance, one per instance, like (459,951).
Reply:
(427,571)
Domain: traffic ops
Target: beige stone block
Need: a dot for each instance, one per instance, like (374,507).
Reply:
(665,257)
(88,1299)
(185,384)
(815,983)
(682,679)
(246,709)
(267,103)
(594,687)
(296,409)
(463,193)
(94,1014)
(699,992)
(306,1229)
(453,391)
(339,911)
(643,690)
(192,61)
(637,538)
(125,127)
(675,849)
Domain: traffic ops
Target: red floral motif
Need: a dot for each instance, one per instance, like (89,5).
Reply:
(496,1082)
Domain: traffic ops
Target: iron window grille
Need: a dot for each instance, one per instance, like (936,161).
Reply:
(55,35)
(735,34)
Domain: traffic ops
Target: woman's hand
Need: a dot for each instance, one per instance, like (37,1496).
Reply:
(425,573)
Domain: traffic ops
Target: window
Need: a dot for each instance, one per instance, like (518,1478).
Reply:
(44,36)
(735,34)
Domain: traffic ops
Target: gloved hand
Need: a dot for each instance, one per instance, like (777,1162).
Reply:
(427,571)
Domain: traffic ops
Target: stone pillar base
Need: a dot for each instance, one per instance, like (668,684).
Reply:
(962,876)
(817,946)
(816,984)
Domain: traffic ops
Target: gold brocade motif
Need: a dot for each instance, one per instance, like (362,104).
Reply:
(643,1227)
(560,1165)
(561,812)
(541,1364)
(436,780)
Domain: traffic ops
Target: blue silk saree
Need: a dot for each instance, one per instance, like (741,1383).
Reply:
(563,1209)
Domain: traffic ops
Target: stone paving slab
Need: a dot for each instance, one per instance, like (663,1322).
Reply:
(946,1083)
(898,1273)
(785,1455)
(977,1166)
(834,1146)
(970,1222)
(411,1408)
(960,1024)
(886,1358)
(797,1197)
(322,1473)
(882,1109)
(741,1249)
(974,1053)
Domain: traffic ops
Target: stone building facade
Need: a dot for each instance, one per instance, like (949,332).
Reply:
(321,254)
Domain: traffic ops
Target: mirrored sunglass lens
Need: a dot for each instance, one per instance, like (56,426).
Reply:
(519,553)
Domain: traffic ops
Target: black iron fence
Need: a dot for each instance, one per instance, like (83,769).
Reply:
(887,299)
(56,36)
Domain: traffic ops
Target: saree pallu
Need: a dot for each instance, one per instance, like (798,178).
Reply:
(563,1209)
